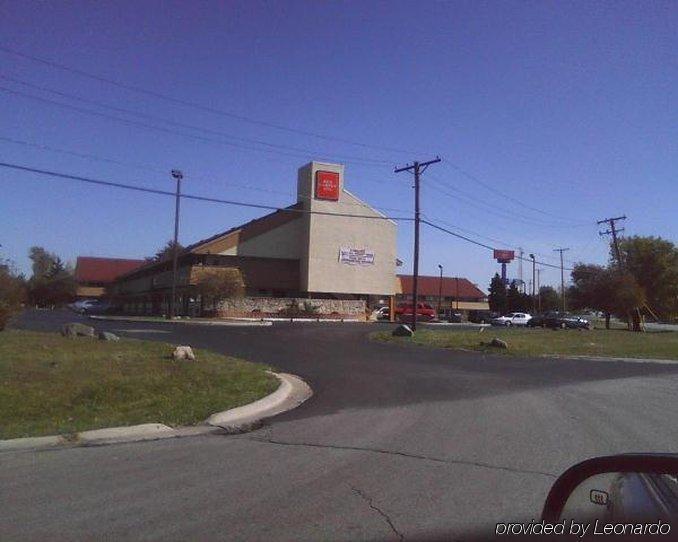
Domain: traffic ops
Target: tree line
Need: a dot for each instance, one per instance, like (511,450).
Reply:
(643,283)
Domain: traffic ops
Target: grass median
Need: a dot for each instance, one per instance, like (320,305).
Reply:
(543,342)
(53,385)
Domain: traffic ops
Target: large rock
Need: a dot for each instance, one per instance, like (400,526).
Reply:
(108,336)
(76,329)
(403,330)
(498,343)
(183,353)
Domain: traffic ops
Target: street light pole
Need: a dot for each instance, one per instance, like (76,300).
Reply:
(440,289)
(456,293)
(178,175)
(534,283)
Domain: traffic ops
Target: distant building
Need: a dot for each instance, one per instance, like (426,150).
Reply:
(455,294)
(94,275)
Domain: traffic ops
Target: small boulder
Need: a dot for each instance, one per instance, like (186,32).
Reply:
(108,336)
(76,329)
(498,343)
(403,330)
(183,353)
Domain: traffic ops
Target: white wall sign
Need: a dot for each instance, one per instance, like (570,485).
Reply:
(356,256)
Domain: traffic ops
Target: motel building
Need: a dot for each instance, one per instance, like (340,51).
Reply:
(299,260)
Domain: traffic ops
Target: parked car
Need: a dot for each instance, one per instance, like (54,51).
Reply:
(383,313)
(560,320)
(512,319)
(454,317)
(404,312)
(81,305)
(98,307)
(482,317)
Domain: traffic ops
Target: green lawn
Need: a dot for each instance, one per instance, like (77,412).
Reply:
(538,342)
(53,385)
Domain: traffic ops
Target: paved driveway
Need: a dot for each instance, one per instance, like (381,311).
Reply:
(397,443)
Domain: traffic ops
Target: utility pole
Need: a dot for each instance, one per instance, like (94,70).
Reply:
(534,283)
(539,290)
(562,275)
(520,270)
(613,231)
(418,168)
(178,175)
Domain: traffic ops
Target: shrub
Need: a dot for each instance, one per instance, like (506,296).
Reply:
(12,294)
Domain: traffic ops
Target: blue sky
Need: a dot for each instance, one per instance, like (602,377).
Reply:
(569,109)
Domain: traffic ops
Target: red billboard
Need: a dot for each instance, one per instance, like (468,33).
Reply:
(327,185)
(504,255)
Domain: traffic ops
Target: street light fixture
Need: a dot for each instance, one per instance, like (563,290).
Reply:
(177,175)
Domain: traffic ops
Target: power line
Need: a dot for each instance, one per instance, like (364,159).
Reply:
(492,239)
(194,105)
(158,170)
(489,187)
(191,196)
(183,125)
(478,243)
(295,154)
(486,207)
(124,186)
(243,118)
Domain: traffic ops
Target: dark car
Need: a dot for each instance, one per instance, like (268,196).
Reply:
(559,320)
(99,307)
(482,317)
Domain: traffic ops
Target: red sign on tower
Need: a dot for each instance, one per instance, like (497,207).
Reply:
(327,185)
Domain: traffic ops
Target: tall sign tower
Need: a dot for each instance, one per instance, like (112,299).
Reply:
(503,257)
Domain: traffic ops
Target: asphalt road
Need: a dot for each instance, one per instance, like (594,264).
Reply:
(397,444)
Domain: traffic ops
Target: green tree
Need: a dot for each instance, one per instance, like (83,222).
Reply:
(166,252)
(516,300)
(12,292)
(606,289)
(549,298)
(498,297)
(52,283)
(42,262)
(586,279)
(653,262)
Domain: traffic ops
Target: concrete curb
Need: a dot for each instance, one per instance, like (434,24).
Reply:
(231,323)
(295,319)
(624,360)
(290,394)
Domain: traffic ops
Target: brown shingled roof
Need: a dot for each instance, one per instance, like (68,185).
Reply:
(429,285)
(105,270)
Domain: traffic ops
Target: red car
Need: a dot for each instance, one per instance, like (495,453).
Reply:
(403,312)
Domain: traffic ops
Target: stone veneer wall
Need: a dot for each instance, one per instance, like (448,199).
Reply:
(248,307)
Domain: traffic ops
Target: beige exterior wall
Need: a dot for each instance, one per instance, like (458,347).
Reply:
(281,242)
(323,236)
(90,291)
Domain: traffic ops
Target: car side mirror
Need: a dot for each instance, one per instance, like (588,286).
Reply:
(609,492)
